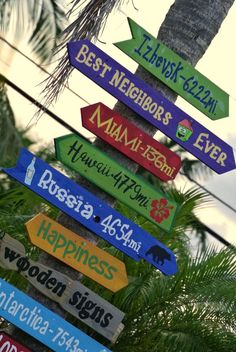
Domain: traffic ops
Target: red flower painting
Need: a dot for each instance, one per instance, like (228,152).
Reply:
(160,210)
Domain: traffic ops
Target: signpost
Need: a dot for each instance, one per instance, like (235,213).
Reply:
(72,296)
(44,325)
(92,212)
(131,141)
(175,72)
(7,344)
(81,156)
(77,252)
(151,105)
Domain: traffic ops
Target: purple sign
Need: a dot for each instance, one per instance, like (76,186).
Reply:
(151,105)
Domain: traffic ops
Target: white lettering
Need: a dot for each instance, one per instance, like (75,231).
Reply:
(42,182)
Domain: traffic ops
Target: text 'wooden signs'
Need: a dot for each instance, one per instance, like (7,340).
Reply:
(151,105)
(131,140)
(81,156)
(77,252)
(7,344)
(175,72)
(72,296)
(92,212)
(44,325)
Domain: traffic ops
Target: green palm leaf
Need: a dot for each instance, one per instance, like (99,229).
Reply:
(193,311)
(38,22)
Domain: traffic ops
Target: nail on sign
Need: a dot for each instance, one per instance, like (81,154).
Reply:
(72,296)
(106,173)
(91,212)
(7,344)
(44,325)
(131,141)
(151,105)
(77,252)
(175,72)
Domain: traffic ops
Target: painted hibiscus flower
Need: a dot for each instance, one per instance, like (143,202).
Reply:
(160,210)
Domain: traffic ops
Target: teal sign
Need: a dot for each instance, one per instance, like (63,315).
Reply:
(175,72)
(44,325)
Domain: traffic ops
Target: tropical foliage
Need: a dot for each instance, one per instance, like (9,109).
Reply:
(36,23)
(191,311)
(196,307)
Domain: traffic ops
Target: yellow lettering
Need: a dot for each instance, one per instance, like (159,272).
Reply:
(97,115)
(132,141)
(89,60)
(97,64)
(112,128)
(129,89)
(209,146)
(83,51)
(116,133)
(199,139)
(166,169)
(167,118)
(221,158)
(117,77)
(159,113)
(214,153)
(153,108)
(147,103)
(124,84)
(133,92)
(105,69)
(140,98)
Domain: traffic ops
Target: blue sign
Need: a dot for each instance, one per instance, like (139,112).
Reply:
(44,325)
(91,212)
(151,105)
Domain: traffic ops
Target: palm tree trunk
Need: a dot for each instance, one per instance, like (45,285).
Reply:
(188,29)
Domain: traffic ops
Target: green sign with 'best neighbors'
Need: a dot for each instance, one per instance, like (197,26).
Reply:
(175,72)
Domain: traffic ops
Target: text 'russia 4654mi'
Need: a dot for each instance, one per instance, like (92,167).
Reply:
(91,212)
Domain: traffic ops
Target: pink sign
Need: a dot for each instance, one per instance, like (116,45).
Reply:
(7,344)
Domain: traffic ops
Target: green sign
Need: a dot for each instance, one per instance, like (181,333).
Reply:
(175,72)
(122,184)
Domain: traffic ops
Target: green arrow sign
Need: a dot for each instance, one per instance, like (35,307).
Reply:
(175,72)
(122,184)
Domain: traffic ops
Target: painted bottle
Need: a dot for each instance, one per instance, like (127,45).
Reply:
(30,172)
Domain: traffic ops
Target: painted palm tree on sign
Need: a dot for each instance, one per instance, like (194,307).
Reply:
(37,24)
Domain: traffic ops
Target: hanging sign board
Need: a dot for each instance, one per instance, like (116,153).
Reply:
(7,344)
(81,156)
(44,325)
(77,252)
(72,296)
(131,140)
(92,212)
(151,105)
(175,72)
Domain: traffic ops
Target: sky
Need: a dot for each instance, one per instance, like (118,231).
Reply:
(218,64)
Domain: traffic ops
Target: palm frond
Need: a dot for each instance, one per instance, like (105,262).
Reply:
(193,311)
(38,22)
(49,25)
(89,23)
